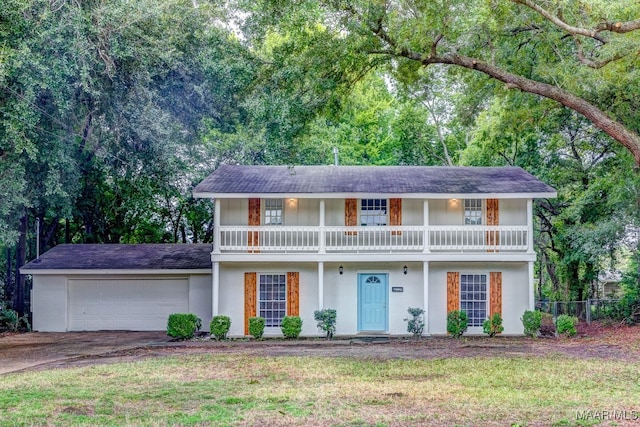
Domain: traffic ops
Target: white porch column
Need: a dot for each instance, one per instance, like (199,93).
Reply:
(532,295)
(425,296)
(215,289)
(530,226)
(216,226)
(425,221)
(322,235)
(320,285)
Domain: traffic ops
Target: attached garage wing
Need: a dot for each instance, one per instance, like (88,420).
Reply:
(139,304)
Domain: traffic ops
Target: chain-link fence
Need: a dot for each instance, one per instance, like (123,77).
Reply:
(588,311)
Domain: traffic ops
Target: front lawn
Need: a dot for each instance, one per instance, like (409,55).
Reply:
(209,389)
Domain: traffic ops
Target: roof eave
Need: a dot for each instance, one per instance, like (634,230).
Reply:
(103,271)
(534,195)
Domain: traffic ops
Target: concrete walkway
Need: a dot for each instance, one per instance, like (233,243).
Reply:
(27,351)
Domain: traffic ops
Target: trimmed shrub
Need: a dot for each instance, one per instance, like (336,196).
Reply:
(291,326)
(9,319)
(566,325)
(415,323)
(457,322)
(493,325)
(256,327)
(326,319)
(183,325)
(531,320)
(220,326)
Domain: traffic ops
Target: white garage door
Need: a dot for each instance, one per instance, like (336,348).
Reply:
(125,304)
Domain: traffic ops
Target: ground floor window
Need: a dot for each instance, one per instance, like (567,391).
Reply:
(473,297)
(272,298)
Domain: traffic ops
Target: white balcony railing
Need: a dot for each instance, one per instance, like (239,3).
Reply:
(299,239)
(478,238)
(374,239)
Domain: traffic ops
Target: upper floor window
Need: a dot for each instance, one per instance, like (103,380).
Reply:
(473,212)
(273,211)
(373,212)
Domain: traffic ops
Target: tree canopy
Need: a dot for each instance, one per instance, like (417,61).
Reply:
(110,112)
(582,55)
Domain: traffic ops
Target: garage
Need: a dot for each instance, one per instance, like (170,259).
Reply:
(125,304)
(92,287)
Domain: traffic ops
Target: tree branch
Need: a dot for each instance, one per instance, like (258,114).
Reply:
(628,138)
(559,22)
(614,27)
(591,63)
(600,119)
(619,27)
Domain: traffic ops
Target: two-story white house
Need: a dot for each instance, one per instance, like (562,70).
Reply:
(369,242)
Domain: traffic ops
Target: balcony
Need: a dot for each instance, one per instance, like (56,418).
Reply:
(389,239)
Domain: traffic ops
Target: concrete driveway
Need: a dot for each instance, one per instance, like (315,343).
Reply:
(28,351)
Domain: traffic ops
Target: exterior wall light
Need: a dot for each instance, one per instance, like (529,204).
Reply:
(405,269)
(340,269)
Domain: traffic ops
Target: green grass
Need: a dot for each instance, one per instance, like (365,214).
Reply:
(247,390)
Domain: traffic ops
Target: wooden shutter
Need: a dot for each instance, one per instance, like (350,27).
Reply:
(250,295)
(351,215)
(293,294)
(453,291)
(495,293)
(395,215)
(254,219)
(493,218)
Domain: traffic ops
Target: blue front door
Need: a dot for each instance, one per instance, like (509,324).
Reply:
(372,302)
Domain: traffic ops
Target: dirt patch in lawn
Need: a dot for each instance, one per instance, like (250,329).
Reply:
(36,351)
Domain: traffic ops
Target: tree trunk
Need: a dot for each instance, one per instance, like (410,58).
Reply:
(551,270)
(8,283)
(21,258)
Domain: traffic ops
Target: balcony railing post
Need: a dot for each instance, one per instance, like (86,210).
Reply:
(322,240)
(217,235)
(530,226)
(425,219)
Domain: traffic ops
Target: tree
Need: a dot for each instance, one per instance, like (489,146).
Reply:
(102,108)
(582,56)
(581,229)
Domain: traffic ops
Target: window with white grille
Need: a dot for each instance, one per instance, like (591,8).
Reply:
(273,211)
(473,298)
(373,212)
(473,212)
(272,299)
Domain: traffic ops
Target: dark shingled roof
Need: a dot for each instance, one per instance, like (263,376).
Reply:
(233,179)
(123,257)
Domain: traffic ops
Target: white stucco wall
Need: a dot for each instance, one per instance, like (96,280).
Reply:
(306,211)
(49,299)
(515,292)
(513,211)
(234,211)
(232,293)
(200,298)
(450,212)
(412,212)
(340,293)
(301,212)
